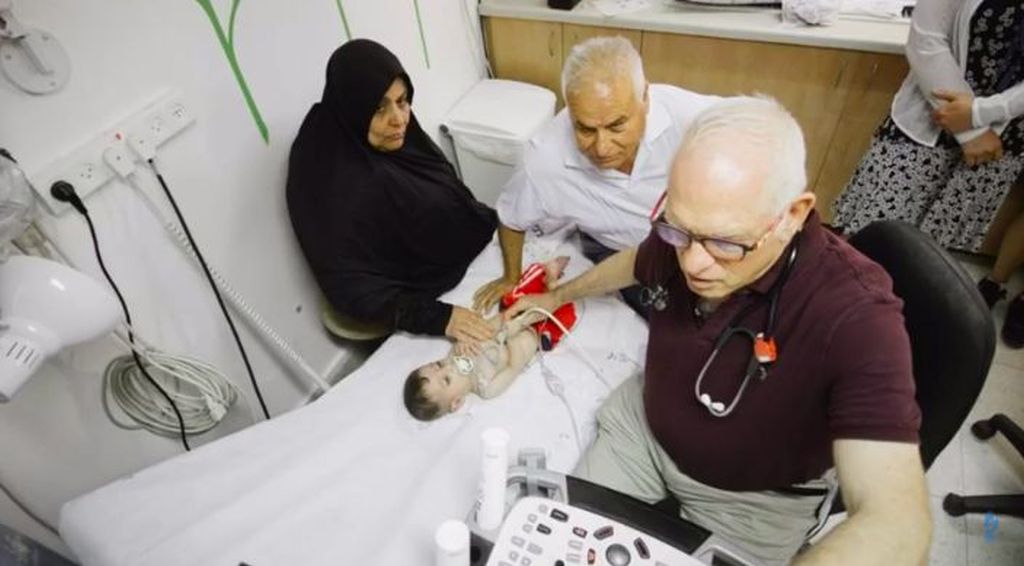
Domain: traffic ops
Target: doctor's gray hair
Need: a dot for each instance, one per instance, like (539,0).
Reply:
(602,58)
(766,124)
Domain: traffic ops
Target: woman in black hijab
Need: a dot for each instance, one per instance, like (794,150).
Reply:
(380,215)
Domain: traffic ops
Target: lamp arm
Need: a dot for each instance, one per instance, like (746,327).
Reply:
(11,28)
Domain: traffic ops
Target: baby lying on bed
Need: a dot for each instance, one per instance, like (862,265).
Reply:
(488,368)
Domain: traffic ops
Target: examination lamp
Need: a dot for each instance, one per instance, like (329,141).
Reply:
(44,305)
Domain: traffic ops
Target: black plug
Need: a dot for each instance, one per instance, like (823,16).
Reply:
(65,192)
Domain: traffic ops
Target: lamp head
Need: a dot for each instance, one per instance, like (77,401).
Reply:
(44,307)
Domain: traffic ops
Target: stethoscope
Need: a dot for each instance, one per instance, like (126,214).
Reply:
(764,352)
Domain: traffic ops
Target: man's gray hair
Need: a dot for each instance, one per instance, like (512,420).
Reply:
(764,122)
(602,58)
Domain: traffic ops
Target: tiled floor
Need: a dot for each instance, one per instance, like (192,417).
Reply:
(975,467)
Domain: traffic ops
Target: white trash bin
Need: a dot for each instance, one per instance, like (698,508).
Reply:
(490,125)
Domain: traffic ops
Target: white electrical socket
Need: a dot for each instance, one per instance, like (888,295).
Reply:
(133,138)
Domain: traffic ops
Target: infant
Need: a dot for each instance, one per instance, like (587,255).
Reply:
(488,368)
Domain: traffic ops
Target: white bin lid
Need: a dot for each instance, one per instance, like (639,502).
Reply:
(505,109)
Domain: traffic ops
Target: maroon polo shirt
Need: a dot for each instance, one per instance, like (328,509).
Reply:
(843,368)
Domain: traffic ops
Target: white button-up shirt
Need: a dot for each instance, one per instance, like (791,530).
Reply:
(555,185)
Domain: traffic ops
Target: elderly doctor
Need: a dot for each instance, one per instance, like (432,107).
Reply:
(600,165)
(778,365)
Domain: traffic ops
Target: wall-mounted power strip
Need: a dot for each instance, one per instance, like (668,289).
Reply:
(115,150)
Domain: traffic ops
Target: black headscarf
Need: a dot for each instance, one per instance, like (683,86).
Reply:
(384,232)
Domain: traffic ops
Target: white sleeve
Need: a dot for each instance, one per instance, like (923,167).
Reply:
(520,205)
(999,108)
(929,50)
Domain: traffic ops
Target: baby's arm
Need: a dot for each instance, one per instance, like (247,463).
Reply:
(521,348)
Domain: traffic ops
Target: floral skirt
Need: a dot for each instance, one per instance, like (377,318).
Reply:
(930,187)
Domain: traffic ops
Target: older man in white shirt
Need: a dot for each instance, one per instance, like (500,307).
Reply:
(600,165)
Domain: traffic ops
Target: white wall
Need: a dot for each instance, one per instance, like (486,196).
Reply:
(56,441)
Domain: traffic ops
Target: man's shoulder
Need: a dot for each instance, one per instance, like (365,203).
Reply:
(678,101)
(848,283)
(546,150)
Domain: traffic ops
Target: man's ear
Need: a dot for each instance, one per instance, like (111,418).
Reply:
(799,209)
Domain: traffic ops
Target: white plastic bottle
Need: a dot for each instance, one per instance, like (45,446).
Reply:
(495,478)
(451,544)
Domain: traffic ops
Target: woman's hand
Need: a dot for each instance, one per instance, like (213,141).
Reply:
(955,113)
(467,349)
(465,325)
(489,295)
(982,149)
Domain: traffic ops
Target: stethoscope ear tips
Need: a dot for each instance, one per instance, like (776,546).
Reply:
(713,406)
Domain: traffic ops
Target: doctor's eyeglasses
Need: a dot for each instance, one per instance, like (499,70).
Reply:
(725,250)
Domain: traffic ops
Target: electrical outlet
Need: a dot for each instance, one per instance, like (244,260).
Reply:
(136,136)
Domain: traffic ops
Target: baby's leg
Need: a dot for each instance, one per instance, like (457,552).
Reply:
(553,270)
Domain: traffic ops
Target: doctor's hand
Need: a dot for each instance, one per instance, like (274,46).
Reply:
(955,111)
(465,325)
(982,149)
(547,301)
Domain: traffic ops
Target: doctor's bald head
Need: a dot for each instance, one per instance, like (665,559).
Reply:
(605,90)
(738,186)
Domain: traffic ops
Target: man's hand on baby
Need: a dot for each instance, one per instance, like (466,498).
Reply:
(465,325)
(489,295)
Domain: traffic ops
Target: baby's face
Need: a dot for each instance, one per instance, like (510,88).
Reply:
(445,385)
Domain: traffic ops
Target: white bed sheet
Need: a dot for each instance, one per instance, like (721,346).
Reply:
(352,478)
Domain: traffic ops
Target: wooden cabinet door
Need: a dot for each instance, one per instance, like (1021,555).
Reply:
(807,80)
(524,50)
(874,80)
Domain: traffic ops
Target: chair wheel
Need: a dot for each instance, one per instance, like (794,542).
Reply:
(983,430)
(954,505)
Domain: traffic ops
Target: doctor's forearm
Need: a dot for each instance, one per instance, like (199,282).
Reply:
(869,538)
(612,274)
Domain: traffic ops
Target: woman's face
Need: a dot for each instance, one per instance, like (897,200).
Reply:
(387,128)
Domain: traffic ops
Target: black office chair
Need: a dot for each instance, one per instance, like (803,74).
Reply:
(957,505)
(950,327)
(953,341)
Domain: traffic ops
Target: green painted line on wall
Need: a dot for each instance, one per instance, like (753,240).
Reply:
(228,45)
(423,39)
(344,20)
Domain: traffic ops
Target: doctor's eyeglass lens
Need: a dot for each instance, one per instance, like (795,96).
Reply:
(717,248)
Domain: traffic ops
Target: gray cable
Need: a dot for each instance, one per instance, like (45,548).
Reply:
(203,394)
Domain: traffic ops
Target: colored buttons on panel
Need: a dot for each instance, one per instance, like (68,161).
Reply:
(559,515)
(641,548)
(604,532)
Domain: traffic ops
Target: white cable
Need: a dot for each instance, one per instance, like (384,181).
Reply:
(202,394)
(236,299)
(572,344)
(551,379)
(557,388)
